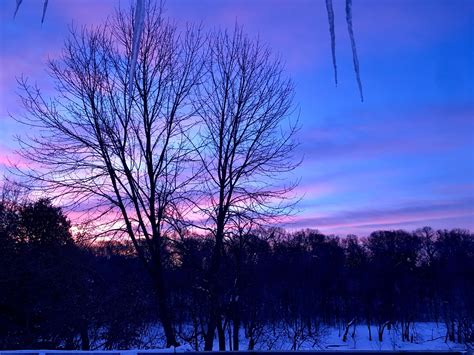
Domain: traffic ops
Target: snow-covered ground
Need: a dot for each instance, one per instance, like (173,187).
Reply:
(426,336)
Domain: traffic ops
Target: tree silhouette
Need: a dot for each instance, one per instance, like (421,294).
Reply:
(244,103)
(119,157)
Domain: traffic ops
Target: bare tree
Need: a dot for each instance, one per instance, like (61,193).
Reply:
(119,155)
(427,237)
(246,148)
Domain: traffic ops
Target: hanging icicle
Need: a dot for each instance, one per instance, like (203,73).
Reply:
(330,11)
(139,22)
(18,3)
(45,6)
(353,44)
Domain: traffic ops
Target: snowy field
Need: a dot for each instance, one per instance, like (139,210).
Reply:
(426,337)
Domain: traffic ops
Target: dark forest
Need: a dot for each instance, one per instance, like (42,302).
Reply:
(61,291)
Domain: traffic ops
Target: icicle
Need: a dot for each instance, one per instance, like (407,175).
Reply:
(18,3)
(330,11)
(45,6)
(137,34)
(354,49)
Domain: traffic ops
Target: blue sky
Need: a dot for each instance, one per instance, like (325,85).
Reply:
(404,158)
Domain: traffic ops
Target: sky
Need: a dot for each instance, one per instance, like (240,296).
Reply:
(402,159)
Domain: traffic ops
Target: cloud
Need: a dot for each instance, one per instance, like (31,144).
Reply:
(9,158)
(368,219)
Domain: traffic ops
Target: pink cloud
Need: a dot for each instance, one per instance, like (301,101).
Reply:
(9,159)
(315,190)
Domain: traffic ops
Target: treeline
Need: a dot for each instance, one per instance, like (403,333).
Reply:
(60,293)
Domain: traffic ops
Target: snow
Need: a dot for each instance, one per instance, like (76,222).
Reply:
(426,336)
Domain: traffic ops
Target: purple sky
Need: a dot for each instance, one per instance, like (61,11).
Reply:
(402,159)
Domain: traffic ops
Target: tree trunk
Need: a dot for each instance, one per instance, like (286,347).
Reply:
(214,305)
(370,330)
(251,344)
(231,348)
(163,307)
(382,328)
(211,329)
(85,342)
(346,330)
(167,324)
(236,329)
(196,333)
(221,335)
